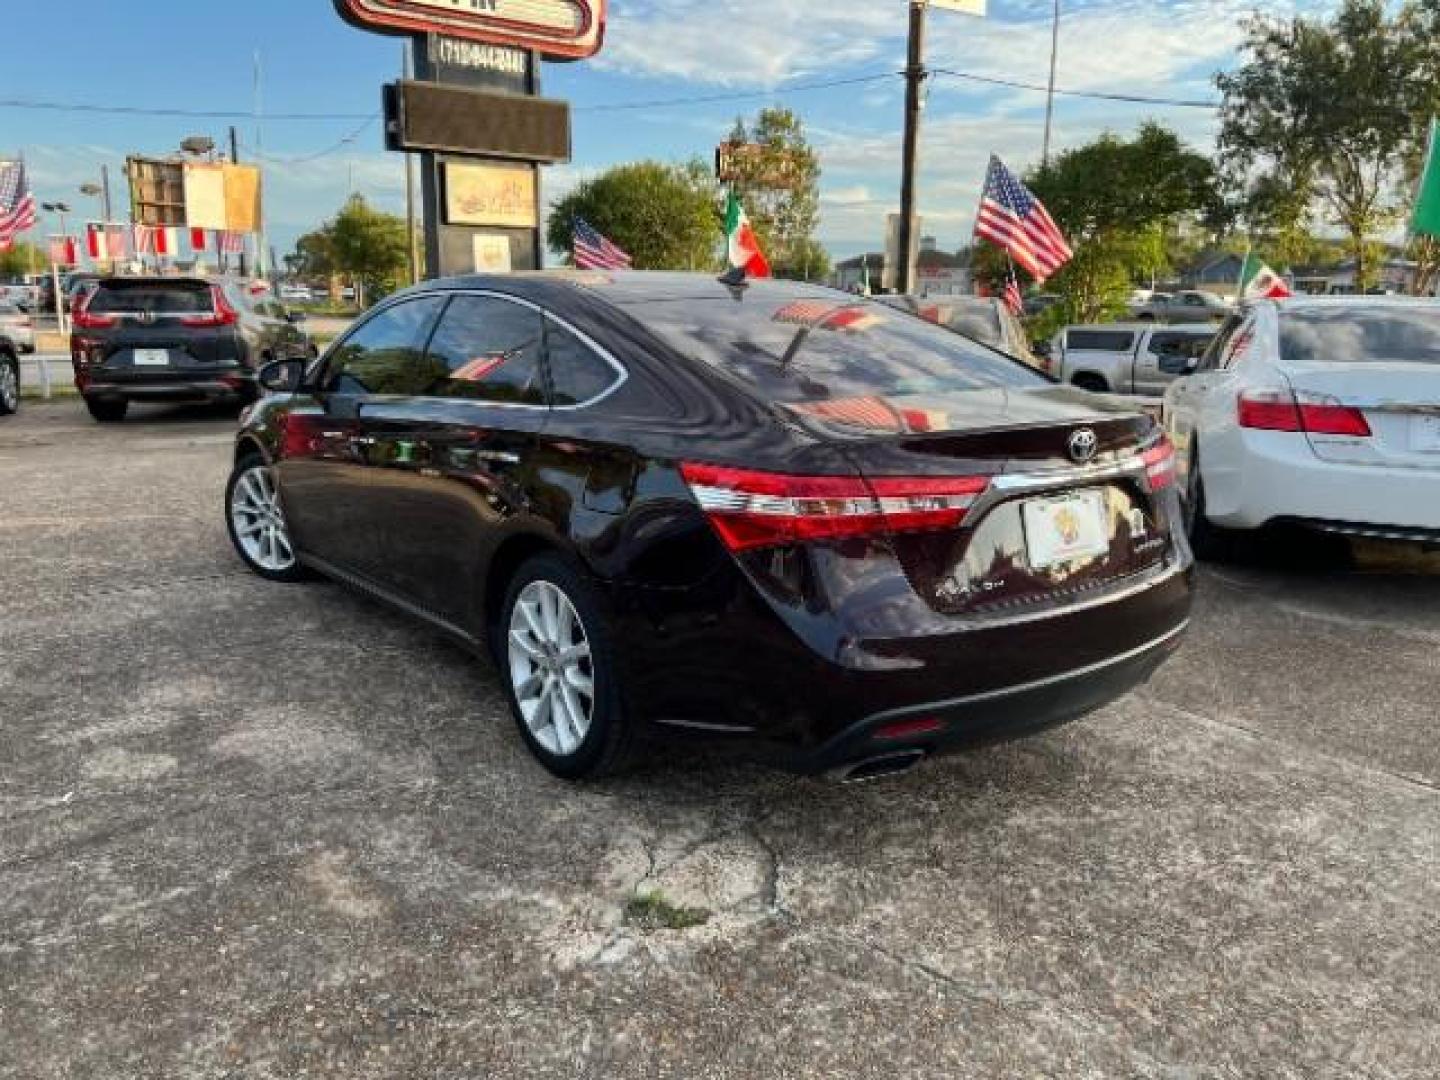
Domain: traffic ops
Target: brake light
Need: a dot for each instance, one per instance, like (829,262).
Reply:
(82,319)
(1160,464)
(752,509)
(1281,410)
(222,314)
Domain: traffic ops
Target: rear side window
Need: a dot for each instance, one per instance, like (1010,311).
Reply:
(1100,341)
(802,350)
(1175,344)
(488,349)
(156,299)
(386,353)
(577,372)
(1349,334)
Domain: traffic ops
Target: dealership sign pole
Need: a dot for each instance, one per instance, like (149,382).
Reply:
(473,114)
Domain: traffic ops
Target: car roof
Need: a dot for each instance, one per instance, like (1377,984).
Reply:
(1302,303)
(630,287)
(1137,325)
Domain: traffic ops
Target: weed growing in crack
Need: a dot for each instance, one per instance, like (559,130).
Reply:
(652,911)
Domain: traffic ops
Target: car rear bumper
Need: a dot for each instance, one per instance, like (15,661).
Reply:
(234,385)
(747,680)
(993,716)
(1280,477)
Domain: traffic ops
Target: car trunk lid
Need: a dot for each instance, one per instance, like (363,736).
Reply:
(1400,403)
(1066,509)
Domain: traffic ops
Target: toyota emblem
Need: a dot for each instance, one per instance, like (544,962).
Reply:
(1083,444)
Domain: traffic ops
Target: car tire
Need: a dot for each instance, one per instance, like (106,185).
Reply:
(551,612)
(107,410)
(1209,542)
(252,503)
(9,384)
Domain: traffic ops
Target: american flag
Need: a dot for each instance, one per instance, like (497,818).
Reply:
(1014,299)
(1013,219)
(594,252)
(17,203)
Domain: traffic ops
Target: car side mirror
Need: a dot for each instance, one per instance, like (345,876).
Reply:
(282,376)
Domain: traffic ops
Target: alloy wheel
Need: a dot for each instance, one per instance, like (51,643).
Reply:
(9,387)
(551,668)
(259,522)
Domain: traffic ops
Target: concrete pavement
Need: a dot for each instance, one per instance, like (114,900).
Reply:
(253,830)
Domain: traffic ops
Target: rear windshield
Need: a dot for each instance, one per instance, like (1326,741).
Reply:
(174,299)
(1348,334)
(1101,340)
(818,349)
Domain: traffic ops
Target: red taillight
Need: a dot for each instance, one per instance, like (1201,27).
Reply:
(760,509)
(1160,464)
(82,319)
(1281,410)
(222,314)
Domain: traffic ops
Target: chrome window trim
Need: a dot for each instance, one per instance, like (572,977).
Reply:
(622,373)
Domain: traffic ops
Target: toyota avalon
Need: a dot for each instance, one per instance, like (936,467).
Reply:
(771,515)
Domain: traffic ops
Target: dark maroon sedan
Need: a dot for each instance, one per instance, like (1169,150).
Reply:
(776,516)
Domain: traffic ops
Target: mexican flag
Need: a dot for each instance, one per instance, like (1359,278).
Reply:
(1259,282)
(745,253)
(1426,218)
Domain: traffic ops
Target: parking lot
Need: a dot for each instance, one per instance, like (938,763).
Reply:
(267,831)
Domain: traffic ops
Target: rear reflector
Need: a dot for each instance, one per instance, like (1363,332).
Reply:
(1282,410)
(910,729)
(760,509)
(1160,464)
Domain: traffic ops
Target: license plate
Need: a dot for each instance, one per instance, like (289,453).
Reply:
(152,357)
(1425,433)
(1065,528)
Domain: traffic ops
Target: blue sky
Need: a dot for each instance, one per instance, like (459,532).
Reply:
(199,56)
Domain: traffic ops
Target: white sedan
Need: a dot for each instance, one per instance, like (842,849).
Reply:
(1318,412)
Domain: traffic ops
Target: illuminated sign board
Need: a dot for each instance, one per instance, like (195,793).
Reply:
(558,29)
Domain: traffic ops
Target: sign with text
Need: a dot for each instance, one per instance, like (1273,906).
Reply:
(492,254)
(964,7)
(558,29)
(496,194)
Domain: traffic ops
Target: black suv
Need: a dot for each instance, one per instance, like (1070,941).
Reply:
(176,339)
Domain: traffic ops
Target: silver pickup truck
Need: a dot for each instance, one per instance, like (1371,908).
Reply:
(1126,358)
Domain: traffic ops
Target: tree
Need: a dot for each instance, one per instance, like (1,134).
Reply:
(367,244)
(1322,117)
(779,182)
(663,215)
(23,258)
(1119,203)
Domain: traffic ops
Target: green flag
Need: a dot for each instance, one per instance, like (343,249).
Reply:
(1427,199)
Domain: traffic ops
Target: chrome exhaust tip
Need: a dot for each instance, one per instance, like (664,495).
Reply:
(878,767)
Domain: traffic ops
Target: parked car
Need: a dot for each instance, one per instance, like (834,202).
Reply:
(18,327)
(1322,412)
(1039,303)
(1190,306)
(19,294)
(1115,358)
(778,516)
(9,375)
(175,339)
(296,294)
(979,318)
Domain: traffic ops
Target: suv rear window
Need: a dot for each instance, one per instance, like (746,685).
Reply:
(1100,340)
(818,348)
(1348,334)
(186,298)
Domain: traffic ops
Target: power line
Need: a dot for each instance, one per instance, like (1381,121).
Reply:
(335,149)
(995,80)
(748,95)
(194,114)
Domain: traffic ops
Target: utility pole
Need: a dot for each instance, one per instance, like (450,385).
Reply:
(412,247)
(234,160)
(1050,93)
(915,75)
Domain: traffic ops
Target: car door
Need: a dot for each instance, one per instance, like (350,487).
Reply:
(327,471)
(1163,357)
(454,459)
(1189,396)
